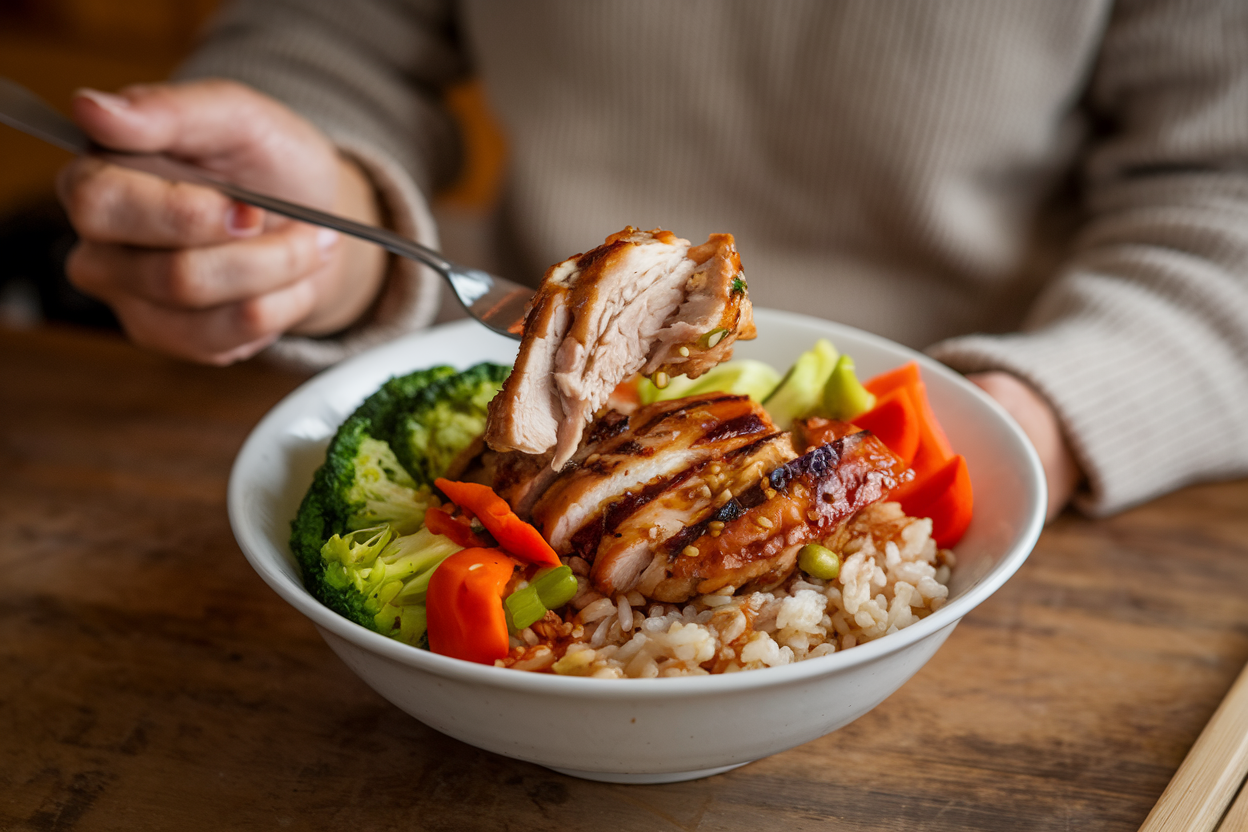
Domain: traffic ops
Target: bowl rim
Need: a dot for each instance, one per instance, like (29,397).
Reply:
(261,553)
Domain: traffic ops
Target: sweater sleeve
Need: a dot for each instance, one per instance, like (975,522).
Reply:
(1140,343)
(369,73)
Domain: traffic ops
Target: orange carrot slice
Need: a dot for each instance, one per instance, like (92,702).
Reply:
(514,535)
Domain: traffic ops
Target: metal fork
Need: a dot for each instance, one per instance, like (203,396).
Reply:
(497,303)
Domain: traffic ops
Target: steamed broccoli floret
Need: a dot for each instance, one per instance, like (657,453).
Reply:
(364,499)
(444,418)
(360,485)
(377,579)
(383,492)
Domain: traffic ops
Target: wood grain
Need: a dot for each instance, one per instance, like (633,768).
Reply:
(149,680)
(1236,818)
(1212,772)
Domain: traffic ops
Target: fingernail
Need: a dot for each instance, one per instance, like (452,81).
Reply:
(326,239)
(115,104)
(242,220)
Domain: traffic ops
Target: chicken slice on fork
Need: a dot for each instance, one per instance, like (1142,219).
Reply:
(644,301)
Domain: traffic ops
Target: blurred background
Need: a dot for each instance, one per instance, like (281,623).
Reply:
(56,46)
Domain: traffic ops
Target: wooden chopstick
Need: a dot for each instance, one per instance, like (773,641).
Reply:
(1236,819)
(1211,774)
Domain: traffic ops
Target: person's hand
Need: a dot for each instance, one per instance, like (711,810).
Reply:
(190,272)
(1039,422)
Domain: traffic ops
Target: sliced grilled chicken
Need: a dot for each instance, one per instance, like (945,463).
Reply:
(643,299)
(623,542)
(663,440)
(764,526)
(521,479)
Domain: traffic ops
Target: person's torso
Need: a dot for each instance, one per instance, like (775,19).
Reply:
(899,166)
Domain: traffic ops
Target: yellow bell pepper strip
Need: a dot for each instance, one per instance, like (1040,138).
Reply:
(514,535)
(465,605)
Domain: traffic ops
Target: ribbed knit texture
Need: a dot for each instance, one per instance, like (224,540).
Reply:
(1057,189)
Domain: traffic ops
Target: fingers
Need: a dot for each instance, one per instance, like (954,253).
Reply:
(108,204)
(219,125)
(214,304)
(203,277)
(196,119)
(219,335)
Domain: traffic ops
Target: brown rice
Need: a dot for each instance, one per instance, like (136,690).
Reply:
(891,576)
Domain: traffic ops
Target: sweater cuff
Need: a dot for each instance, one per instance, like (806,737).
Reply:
(410,293)
(1118,405)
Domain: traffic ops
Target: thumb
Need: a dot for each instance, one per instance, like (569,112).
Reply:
(196,120)
(222,125)
(112,121)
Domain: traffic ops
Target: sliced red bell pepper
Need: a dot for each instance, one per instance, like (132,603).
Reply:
(513,534)
(941,488)
(440,521)
(945,496)
(894,422)
(465,605)
(934,449)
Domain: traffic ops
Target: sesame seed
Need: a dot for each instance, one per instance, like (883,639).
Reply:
(771,493)
(812,516)
(704,492)
(660,379)
(724,496)
(764,522)
(714,338)
(714,533)
(684,352)
(716,525)
(690,551)
(716,467)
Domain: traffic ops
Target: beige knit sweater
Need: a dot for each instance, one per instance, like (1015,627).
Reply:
(1056,188)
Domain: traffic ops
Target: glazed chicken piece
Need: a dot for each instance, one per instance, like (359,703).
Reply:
(662,441)
(643,301)
(759,532)
(688,496)
(625,541)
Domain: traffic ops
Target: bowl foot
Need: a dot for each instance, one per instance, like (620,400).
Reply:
(657,777)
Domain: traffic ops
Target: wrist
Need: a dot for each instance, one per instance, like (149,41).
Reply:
(1040,422)
(356,270)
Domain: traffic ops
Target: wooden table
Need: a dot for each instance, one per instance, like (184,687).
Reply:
(149,679)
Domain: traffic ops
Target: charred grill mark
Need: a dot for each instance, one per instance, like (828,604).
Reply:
(817,462)
(726,513)
(622,509)
(744,425)
(589,537)
(837,479)
(685,407)
(611,425)
(632,448)
(729,511)
(597,255)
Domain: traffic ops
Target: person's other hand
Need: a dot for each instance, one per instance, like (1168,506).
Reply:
(187,270)
(1039,422)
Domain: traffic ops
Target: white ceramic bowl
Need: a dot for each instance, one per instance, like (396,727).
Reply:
(637,730)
